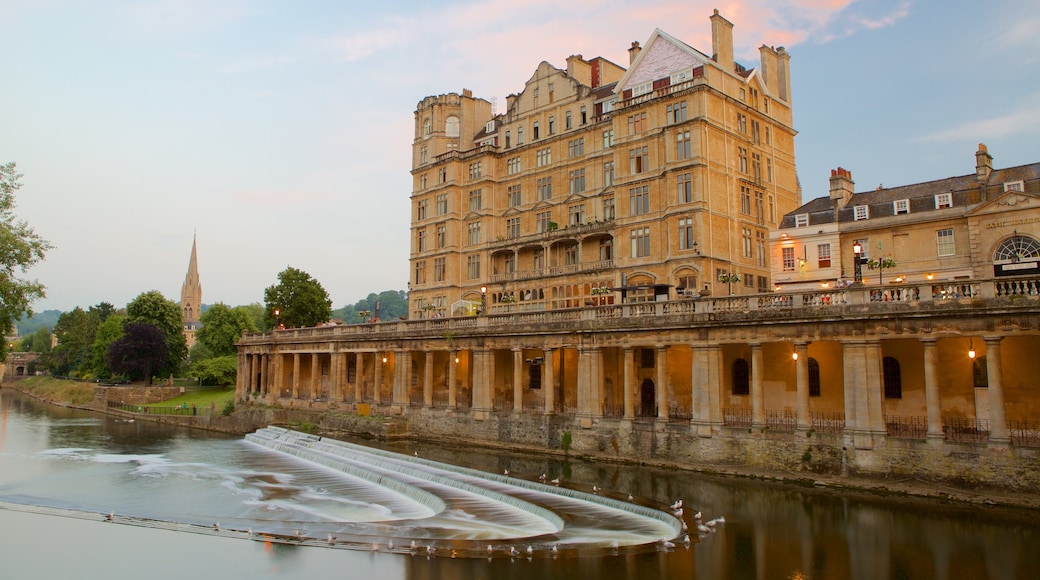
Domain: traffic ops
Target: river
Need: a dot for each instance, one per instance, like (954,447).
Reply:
(63,471)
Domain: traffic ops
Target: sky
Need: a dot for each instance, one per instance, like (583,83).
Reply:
(279,133)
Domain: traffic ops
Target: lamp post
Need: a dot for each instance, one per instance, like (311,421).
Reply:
(857,266)
(277,320)
(483,299)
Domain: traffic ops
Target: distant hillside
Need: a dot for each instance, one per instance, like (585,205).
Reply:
(46,318)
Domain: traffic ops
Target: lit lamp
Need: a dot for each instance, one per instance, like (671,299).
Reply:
(277,322)
(794,355)
(857,266)
(483,299)
(971,349)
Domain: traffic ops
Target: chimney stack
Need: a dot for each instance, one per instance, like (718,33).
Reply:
(983,164)
(722,41)
(633,51)
(842,186)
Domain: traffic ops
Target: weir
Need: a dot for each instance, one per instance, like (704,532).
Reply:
(471,512)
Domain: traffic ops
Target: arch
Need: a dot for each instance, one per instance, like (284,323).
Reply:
(741,377)
(1017,248)
(893,378)
(814,377)
(647,399)
(451,126)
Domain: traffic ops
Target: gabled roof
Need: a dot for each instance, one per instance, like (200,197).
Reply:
(662,55)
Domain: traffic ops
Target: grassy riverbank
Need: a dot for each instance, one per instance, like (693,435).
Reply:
(69,392)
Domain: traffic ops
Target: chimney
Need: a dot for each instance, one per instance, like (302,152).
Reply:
(783,73)
(770,63)
(633,51)
(842,186)
(579,70)
(983,164)
(722,41)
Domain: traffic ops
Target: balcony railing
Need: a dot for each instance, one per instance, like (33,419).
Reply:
(736,416)
(966,430)
(781,420)
(823,422)
(908,427)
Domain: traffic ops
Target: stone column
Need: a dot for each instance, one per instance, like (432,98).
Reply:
(334,387)
(296,376)
(875,388)
(548,383)
(852,380)
(588,393)
(933,403)
(315,375)
(707,410)
(377,372)
(662,382)
(758,394)
(427,388)
(453,365)
(518,380)
(598,390)
(402,378)
(629,383)
(801,371)
(481,387)
(359,377)
(265,374)
(998,429)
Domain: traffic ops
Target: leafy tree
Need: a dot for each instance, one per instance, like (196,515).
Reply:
(218,370)
(392,304)
(39,341)
(30,324)
(222,327)
(140,353)
(152,308)
(103,310)
(20,249)
(256,314)
(301,300)
(75,332)
(197,353)
(108,332)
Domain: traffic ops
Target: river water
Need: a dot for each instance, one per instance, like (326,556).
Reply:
(63,471)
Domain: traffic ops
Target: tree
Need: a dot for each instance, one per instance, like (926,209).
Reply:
(108,332)
(39,341)
(300,299)
(219,370)
(392,304)
(20,249)
(75,332)
(152,308)
(256,313)
(222,327)
(140,353)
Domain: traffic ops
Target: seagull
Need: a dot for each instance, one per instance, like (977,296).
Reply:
(678,513)
(390,545)
(513,551)
(111,517)
(417,454)
(413,546)
(250,532)
(490,550)
(686,540)
(666,544)
(216,526)
(595,489)
(430,549)
(555,481)
(530,550)
(541,477)
(630,498)
(296,533)
(697,516)
(505,472)
(704,529)
(375,547)
(677,505)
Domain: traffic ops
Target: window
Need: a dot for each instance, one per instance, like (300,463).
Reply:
(801,220)
(520,135)
(420,241)
(422,154)
(944,242)
(507,139)
(742,159)
(606,249)
(442,204)
(637,123)
(426,128)
(687,282)
(787,257)
(760,252)
(544,157)
(510,263)
(513,166)
(473,267)
(474,170)
(772,211)
(763,283)
(552,124)
(539,259)
(745,241)
(577,180)
(1014,186)
(584,116)
(608,208)
(769,170)
(745,200)
(513,194)
(749,280)
(420,272)
(756,131)
(676,113)
(438,269)
(420,209)
(1016,249)
(442,175)
(576,148)
(742,122)
(686,233)
(682,145)
(639,200)
(576,214)
(542,220)
(513,227)
(640,242)
(473,232)
(568,120)
(760,209)
(860,212)
(756,166)
(442,236)
(422,181)
(638,160)
(943,200)
(451,127)
(769,138)
(893,378)
(544,188)
(535,129)
(608,139)
(570,254)
(684,186)
(608,174)
(814,378)
(823,255)
(475,200)
(901,206)
(741,377)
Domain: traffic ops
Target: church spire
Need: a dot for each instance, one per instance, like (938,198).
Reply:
(191,291)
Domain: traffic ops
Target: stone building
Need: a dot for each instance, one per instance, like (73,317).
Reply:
(600,184)
(191,297)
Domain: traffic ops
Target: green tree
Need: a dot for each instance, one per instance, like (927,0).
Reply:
(152,308)
(392,304)
(39,341)
(140,352)
(20,249)
(222,327)
(218,370)
(300,299)
(256,313)
(108,332)
(75,332)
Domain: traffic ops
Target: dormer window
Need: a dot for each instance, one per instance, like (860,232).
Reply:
(943,200)
(1014,186)
(901,206)
(861,212)
(490,127)
(801,220)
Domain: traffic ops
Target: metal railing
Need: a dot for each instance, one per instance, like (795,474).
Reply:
(782,420)
(823,422)
(909,427)
(1024,433)
(966,430)
(736,416)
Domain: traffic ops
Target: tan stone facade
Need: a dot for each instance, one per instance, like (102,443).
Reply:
(600,184)
(191,296)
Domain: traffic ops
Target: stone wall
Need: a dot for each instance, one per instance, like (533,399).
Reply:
(132,395)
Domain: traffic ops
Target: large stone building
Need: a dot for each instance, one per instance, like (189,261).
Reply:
(600,184)
(930,377)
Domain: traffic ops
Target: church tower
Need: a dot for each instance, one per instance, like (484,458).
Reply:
(191,297)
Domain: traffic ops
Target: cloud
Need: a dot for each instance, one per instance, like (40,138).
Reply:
(363,44)
(1025,120)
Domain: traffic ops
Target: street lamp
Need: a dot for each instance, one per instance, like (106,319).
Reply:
(857,266)
(483,299)
(277,320)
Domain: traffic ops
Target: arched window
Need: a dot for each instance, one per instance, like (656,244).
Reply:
(980,372)
(426,128)
(814,378)
(451,127)
(893,378)
(1016,249)
(741,377)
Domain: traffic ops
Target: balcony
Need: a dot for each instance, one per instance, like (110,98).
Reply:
(553,271)
(568,232)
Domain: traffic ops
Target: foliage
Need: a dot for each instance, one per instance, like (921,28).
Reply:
(103,310)
(198,352)
(108,332)
(152,308)
(229,407)
(222,327)
(220,370)
(20,249)
(140,353)
(301,300)
(392,304)
(256,314)
(30,324)
(75,332)
(39,341)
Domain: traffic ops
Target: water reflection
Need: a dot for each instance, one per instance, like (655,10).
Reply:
(79,460)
